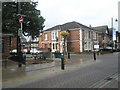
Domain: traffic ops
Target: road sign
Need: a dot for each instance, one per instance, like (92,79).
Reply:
(19,33)
(96,46)
(20,20)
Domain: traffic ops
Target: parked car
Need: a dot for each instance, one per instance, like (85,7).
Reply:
(24,50)
(14,51)
(107,49)
(35,51)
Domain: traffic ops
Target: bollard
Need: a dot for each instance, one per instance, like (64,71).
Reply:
(62,63)
(68,55)
(94,56)
(20,59)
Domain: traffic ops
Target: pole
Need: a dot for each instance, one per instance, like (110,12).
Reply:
(94,54)
(68,55)
(62,59)
(21,25)
(19,53)
(62,64)
(112,32)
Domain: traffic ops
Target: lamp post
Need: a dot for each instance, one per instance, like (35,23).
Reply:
(113,44)
(63,61)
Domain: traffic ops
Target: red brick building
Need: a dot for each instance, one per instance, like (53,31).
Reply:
(81,38)
(104,36)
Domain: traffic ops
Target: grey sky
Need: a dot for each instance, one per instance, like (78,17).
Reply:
(94,12)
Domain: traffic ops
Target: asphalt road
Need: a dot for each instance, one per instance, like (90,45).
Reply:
(82,77)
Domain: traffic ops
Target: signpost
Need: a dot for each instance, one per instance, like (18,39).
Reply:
(96,46)
(20,20)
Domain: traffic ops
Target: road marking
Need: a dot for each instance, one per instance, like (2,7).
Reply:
(104,82)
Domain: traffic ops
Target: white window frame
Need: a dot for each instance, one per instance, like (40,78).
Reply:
(55,46)
(45,37)
(94,35)
(54,34)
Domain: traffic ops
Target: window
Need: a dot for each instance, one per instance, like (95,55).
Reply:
(89,34)
(45,37)
(94,35)
(54,46)
(54,35)
(86,34)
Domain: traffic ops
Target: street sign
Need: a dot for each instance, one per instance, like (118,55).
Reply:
(96,46)
(20,20)
(19,33)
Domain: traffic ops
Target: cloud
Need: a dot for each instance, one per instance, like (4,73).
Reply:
(94,12)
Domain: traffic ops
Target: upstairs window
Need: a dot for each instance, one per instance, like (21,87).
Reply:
(86,34)
(94,35)
(54,35)
(45,37)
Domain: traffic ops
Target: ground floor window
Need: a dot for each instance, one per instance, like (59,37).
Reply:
(54,47)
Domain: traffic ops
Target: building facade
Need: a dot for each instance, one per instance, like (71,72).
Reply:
(81,38)
(104,36)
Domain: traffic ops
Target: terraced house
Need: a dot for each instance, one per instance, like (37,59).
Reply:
(81,38)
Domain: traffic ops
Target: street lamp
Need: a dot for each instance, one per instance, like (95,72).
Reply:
(64,34)
(112,32)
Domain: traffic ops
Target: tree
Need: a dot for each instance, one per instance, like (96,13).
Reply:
(33,22)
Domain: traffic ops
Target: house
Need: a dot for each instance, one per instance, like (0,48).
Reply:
(104,36)
(81,38)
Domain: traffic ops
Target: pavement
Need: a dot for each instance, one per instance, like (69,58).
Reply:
(14,76)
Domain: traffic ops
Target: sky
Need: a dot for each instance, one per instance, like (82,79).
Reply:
(86,12)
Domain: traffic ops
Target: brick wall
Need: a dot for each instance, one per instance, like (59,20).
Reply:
(13,43)
(5,47)
(74,41)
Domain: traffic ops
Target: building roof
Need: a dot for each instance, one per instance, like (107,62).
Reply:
(68,26)
(110,31)
(101,29)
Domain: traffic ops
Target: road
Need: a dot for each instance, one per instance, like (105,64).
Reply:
(81,77)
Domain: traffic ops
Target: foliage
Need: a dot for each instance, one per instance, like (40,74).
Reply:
(33,22)
(64,33)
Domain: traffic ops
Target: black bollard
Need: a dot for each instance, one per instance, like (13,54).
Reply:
(68,55)
(94,56)
(62,63)
(20,59)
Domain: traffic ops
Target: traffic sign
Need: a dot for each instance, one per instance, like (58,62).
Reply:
(19,33)
(20,20)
